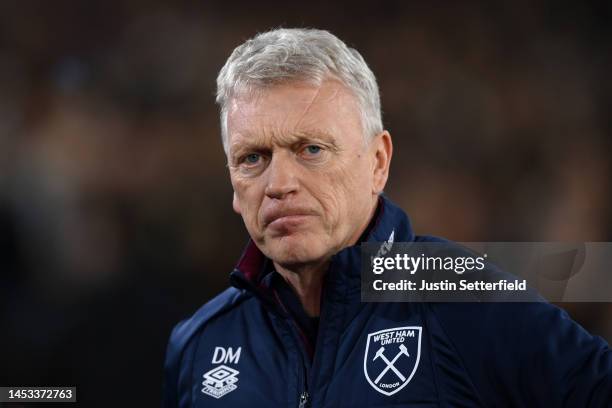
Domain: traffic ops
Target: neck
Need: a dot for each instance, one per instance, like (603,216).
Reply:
(307,282)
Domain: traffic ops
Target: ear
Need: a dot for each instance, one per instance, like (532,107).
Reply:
(236,204)
(383,150)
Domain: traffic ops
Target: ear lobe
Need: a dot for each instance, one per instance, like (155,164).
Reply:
(383,146)
(236,204)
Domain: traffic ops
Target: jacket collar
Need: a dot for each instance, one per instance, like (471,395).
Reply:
(390,224)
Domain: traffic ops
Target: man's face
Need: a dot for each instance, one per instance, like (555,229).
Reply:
(305,181)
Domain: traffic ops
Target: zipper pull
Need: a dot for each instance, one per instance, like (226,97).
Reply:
(304,400)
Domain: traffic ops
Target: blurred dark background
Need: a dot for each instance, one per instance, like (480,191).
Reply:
(115,203)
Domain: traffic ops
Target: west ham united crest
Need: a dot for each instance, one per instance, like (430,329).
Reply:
(392,357)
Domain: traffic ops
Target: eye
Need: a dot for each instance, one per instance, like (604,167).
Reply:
(313,149)
(252,158)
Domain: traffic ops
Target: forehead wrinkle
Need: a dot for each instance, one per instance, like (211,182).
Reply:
(307,108)
(309,133)
(283,138)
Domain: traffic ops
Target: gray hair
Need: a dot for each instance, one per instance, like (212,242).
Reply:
(298,54)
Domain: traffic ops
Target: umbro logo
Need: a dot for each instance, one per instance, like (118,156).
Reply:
(222,379)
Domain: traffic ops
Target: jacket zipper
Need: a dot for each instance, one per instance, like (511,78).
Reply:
(296,332)
(305,395)
(304,400)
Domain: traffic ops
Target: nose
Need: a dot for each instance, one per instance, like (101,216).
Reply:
(282,177)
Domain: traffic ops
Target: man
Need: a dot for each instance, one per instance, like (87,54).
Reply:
(308,161)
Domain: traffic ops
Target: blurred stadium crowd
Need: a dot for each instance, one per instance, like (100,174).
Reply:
(115,203)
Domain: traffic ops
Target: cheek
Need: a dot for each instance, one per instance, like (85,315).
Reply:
(354,180)
(343,193)
(248,200)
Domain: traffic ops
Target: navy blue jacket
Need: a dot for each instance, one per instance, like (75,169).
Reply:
(243,348)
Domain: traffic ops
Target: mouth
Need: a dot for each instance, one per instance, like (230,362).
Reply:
(286,219)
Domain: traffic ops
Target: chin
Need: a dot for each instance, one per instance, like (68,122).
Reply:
(288,251)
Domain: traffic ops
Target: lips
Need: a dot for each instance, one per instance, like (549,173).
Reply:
(278,216)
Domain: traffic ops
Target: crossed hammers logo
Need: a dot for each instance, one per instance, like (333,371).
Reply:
(390,364)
